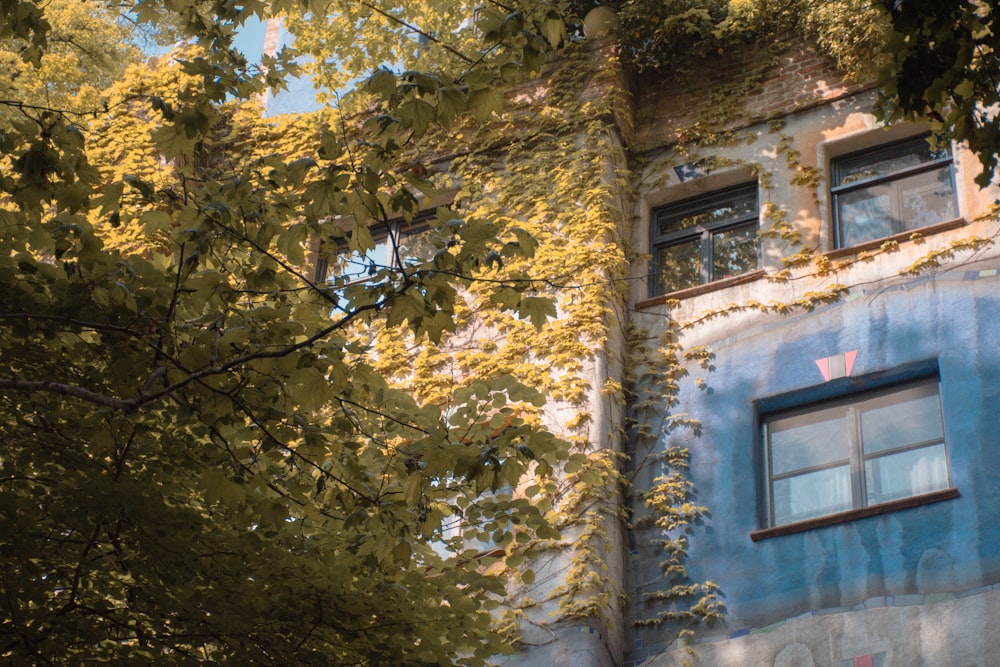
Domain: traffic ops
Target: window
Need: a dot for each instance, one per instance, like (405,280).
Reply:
(704,239)
(855,452)
(398,244)
(892,189)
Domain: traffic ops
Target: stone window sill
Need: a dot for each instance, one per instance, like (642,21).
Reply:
(836,253)
(697,290)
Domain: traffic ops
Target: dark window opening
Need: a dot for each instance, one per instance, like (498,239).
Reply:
(705,239)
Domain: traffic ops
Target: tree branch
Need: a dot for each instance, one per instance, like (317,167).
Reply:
(68,390)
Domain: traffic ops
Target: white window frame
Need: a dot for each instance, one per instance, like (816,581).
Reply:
(392,232)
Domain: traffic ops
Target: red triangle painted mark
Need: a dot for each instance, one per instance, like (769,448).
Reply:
(824,367)
(849,358)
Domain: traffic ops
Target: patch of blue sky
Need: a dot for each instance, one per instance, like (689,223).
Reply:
(299,94)
(250,39)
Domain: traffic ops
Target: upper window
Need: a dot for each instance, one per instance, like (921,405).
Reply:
(704,239)
(892,189)
(398,245)
(855,452)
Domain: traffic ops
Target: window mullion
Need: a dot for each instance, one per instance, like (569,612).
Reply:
(858,490)
(768,475)
(706,256)
(896,223)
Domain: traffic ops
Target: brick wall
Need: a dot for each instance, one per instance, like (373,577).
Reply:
(669,109)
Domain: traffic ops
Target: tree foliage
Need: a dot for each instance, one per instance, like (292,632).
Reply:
(943,67)
(210,453)
(199,458)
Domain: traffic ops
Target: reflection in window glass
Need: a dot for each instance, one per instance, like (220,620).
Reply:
(679,266)
(908,417)
(734,251)
(892,189)
(704,239)
(812,494)
(907,473)
(855,452)
(804,441)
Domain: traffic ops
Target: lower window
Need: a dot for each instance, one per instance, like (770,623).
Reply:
(855,452)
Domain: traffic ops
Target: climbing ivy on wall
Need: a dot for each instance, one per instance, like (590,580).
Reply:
(210,453)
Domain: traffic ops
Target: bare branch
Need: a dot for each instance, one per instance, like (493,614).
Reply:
(68,390)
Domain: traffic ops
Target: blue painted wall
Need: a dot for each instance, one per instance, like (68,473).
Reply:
(950,322)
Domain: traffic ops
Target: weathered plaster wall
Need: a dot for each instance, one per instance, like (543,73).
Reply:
(874,584)
(817,134)
(593,637)
(904,328)
(785,77)
(954,631)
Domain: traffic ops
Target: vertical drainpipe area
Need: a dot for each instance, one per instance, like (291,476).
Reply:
(588,645)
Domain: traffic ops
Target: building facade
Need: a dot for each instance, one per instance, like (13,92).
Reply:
(838,282)
(815,298)
(818,294)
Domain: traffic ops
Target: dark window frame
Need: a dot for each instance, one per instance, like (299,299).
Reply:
(394,229)
(856,457)
(839,170)
(703,234)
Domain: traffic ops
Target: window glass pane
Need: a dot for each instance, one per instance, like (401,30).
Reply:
(808,440)
(734,251)
(865,214)
(678,266)
(887,160)
(907,473)
(927,198)
(851,453)
(812,494)
(357,266)
(900,419)
(911,192)
(415,247)
(710,211)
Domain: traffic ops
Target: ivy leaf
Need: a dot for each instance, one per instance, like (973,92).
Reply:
(554,30)
(484,102)
(538,310)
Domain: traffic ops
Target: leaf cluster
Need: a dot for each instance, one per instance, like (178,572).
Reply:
(943,68)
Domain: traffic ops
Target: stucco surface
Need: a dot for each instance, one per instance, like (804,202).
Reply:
(951,633)
(943,325)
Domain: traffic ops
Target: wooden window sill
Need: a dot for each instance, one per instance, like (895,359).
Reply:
(697,290)
(929,230)
(852,515)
